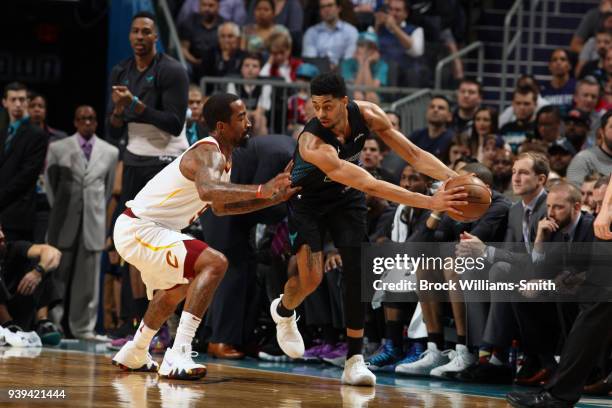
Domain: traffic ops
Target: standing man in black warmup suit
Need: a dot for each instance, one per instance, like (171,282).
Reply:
(588,337)
(149,101)
(326,167)
(23,147)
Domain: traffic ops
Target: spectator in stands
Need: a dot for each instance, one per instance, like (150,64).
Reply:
(436,137)
(559,91)
(371,159)
(516,132)
(287,13)
(23,146)
(28,290)
(199,34)
(560,153)
(596,158)
(223,59)
(80,175)
(599,192)
(332,38)
(596,68)
(586,191)
(280,64)
(402,43)
(364,13)
(395,120)
(585,99)
(366,67)
(257,98)
(588,25)
(296,104)
(195,126)
(230,10)
(37,110)
(502,173)
(525,81)
(605,102)
(149,98)
(483,125)
(589,50)
(255,35)
(469,98)
(459,147)
(489,150)
(577,124)
(548,124)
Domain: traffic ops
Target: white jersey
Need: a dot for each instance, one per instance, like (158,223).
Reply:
(170,199)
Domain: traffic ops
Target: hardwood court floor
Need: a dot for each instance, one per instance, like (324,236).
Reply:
(88,379)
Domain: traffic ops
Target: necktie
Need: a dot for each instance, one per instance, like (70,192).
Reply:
(12,129)
(87,150)
(526,219)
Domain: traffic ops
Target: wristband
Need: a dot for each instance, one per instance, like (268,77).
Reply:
(134,102)
(258,193)
(40,269)
(435,217)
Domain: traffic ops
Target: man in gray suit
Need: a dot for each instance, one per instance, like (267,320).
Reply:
(79,178)
(529,176)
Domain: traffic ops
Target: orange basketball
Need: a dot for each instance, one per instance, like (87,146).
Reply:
(479,197)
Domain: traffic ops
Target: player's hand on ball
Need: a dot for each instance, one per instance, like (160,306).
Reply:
(449,200)
(279,183)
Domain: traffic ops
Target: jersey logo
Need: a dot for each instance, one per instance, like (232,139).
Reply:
(292,237)
(327,180)
(171,259)
(150,78)
(359,136)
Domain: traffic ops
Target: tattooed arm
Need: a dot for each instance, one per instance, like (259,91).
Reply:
(204,165)
(422,161)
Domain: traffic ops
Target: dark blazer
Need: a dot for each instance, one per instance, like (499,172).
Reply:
(20,167)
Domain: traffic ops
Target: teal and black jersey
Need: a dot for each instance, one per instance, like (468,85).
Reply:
(317,188)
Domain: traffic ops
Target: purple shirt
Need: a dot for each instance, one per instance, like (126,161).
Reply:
(86,145)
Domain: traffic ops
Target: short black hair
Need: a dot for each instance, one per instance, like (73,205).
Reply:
(328,83)
(33,95)
(145,14)
(471,81)
(394,112)
(217,109)
(14,86)
(605,118)
(481,171)
(254,56)
(549,109)
(444,98)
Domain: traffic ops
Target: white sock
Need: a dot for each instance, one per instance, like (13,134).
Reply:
(187,328)
(143,336)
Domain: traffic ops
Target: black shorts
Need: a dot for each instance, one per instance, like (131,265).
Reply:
(346,223)
(134,179)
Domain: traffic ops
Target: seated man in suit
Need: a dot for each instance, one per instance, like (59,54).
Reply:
(27,291)
(529,176)
(490,227)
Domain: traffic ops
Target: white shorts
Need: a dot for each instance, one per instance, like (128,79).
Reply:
(165,258)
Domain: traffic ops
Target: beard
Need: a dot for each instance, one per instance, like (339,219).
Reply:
(244,140)
(608,143)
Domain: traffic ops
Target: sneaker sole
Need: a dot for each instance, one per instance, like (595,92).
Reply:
(190,375)
(143,369)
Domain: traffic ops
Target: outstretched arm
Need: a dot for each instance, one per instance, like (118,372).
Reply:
(325,157)
(204,165)
(423,162)
(604,218)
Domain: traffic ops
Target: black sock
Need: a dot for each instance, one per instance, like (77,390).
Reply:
(283,311)
(461,340)
(354,346)
(394,332)
(437,338)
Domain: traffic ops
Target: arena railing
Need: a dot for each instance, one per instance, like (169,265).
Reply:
(477,45)
(281,91)
(509,46)
(174,44)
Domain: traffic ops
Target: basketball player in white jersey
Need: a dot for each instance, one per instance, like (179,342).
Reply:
(175,266)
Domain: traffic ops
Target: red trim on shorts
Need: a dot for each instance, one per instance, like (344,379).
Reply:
(129,213)
(194,249)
